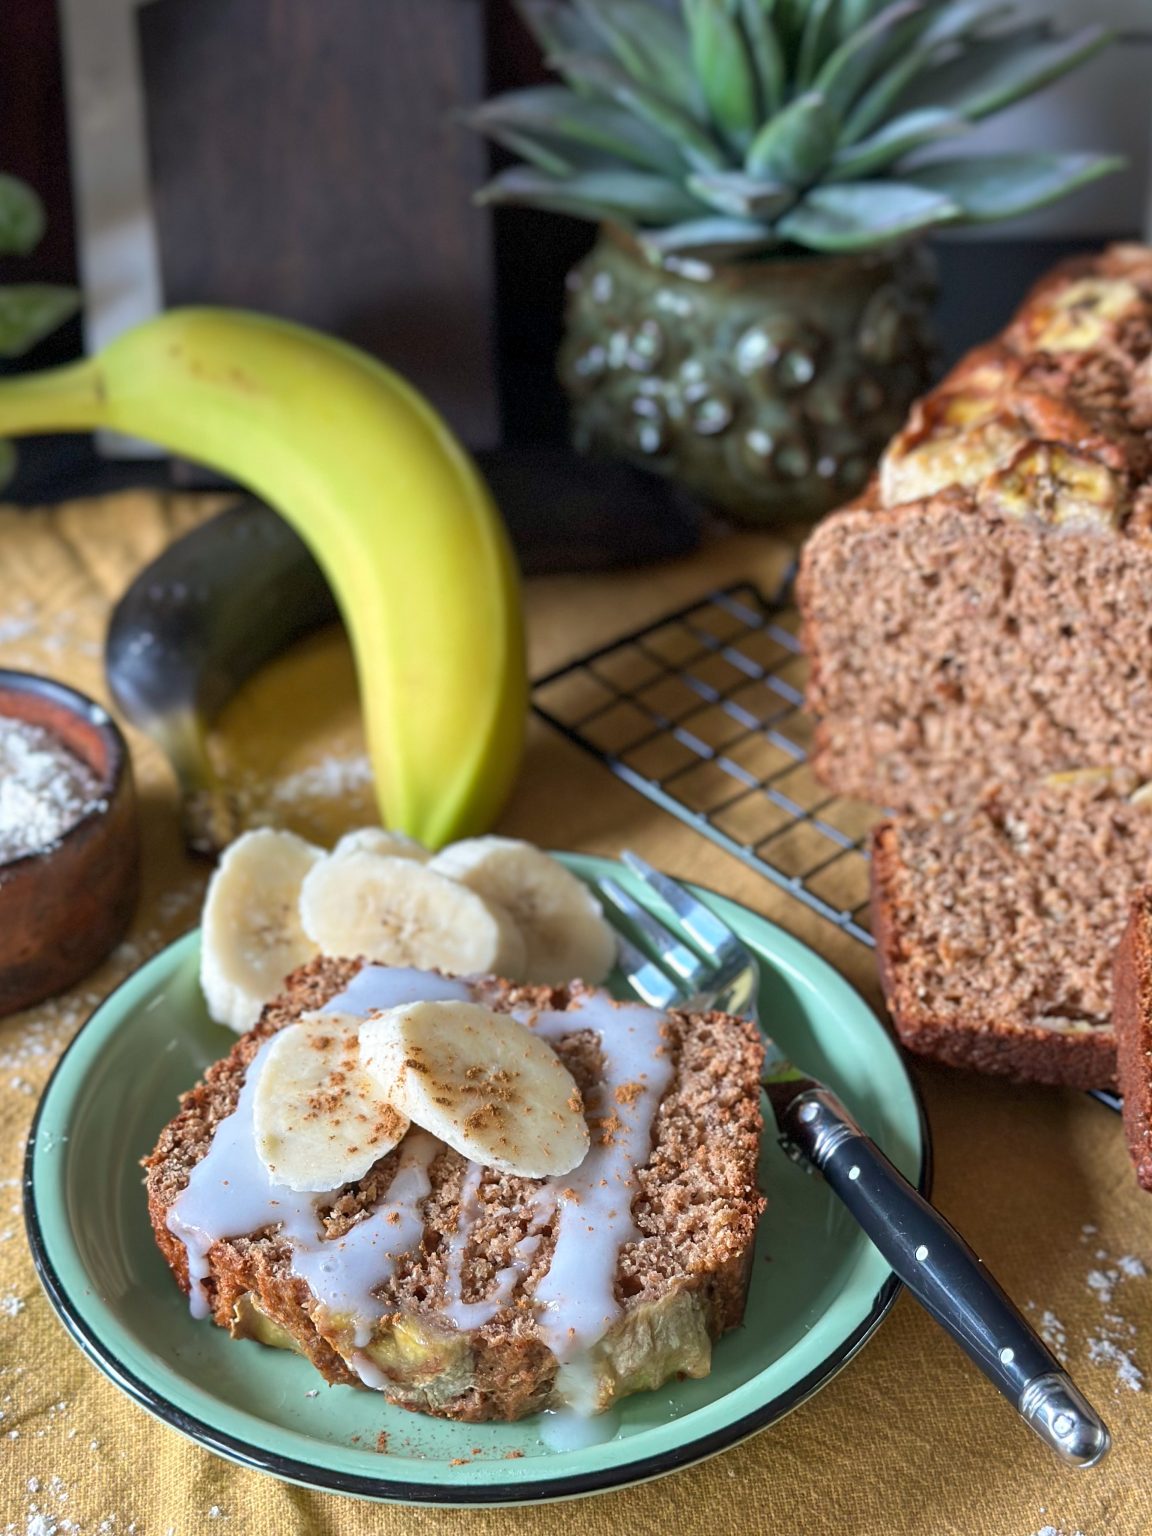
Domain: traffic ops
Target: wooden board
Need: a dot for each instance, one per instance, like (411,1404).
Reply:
(308,159)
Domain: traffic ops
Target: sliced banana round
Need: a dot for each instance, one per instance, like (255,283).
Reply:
(482,1082)
(397,845)
(250,929)
(397,912)
(562,922)
(320,1120)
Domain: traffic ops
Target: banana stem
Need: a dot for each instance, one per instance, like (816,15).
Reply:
(67,399)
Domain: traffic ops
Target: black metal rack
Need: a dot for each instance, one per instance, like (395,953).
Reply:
(701,711)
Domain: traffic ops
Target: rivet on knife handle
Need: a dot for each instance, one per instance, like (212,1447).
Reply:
(945,1276)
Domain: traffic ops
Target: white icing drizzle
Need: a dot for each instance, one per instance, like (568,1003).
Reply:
(230,1192)
(474,1314)
(576,1300)
(381,986)
(343,1272)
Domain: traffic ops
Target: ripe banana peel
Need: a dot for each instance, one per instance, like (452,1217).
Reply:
(214,607)
(390,505)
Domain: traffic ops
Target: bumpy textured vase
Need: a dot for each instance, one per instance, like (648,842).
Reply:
(768,387)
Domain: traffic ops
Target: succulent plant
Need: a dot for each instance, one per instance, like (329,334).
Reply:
(722,128)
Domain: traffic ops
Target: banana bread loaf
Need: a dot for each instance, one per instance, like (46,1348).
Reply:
(1132,1019)
(996,926)
(981,615)
(463,1292)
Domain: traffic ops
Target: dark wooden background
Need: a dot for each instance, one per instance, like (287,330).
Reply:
(185,54)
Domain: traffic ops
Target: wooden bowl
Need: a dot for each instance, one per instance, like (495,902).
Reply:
(64,908)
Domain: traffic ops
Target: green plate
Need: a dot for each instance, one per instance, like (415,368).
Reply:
(819,1288)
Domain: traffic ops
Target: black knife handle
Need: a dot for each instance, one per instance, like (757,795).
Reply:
(945,1276)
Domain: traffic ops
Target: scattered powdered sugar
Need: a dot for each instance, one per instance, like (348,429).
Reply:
(44,789)
(1101,1281)
(330,781)
(1052,1331)
(1105,1351)
(18,625)
(11,1305)
(1055,1530)
(1111,1342)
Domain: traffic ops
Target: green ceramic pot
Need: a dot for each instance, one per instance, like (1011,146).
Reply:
(767,387)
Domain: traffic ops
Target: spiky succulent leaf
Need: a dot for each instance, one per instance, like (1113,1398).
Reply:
(696,145)
(552,116)
(718,239)
(742,196)
(854,216)
(996,71)
(724,68)
(817,36)
(898,138)
(797,144)
(767,55)
(559,28)
(945,30)
(21,217)
(647,42)
(637,197)
(849,67)
(853,15)
(801,120)
(1002,186)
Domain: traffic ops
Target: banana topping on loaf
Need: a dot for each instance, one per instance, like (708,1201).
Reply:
(569,1216)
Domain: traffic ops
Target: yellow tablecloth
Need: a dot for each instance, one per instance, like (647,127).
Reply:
(907,1441)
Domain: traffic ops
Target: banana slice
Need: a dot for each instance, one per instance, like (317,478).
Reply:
(397,912)
(482,1082)
(396,845)
(320,1120)
(562,922)
(251,935)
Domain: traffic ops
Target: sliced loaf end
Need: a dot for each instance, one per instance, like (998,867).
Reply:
(996,928)
(1132,1019)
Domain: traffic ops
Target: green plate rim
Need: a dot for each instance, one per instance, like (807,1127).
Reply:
(459,1494)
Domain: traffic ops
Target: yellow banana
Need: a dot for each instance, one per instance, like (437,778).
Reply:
(390,505)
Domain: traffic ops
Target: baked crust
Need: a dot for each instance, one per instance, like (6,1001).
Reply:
(1132,1020)
(683,1284)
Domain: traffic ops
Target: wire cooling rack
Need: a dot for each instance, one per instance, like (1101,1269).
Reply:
(701,712)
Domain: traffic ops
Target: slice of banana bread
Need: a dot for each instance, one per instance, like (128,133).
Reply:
(1132,1019)
(980,615)
(476,1312)
(996,927)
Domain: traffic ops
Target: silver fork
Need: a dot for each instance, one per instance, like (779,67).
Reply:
(715,970)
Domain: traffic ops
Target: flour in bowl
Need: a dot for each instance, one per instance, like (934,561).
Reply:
(44,789)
